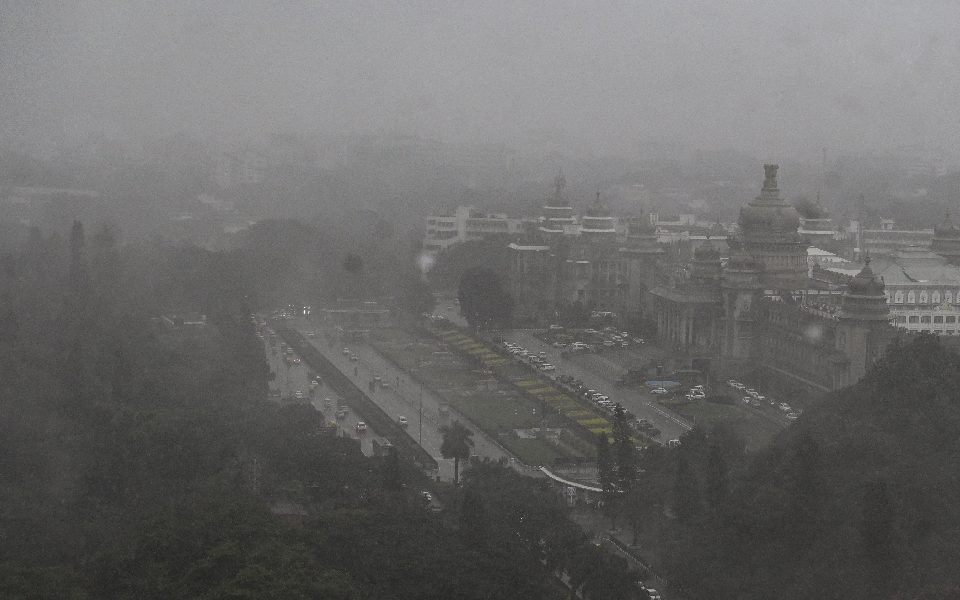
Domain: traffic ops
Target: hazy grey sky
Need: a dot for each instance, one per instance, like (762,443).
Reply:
(769,77)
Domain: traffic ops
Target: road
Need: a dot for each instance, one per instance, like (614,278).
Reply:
(598,372)
(404,397)
(290,378)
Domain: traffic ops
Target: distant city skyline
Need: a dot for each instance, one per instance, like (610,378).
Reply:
(783,81)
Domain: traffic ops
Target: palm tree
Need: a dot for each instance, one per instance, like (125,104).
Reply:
(456,445)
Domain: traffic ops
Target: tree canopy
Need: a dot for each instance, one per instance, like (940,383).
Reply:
(483,301)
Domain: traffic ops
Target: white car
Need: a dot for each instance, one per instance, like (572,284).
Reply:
(659,390)
(403,421)
(792,416)
(547,367)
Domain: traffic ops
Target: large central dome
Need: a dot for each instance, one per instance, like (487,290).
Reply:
(768,234)
(768,218)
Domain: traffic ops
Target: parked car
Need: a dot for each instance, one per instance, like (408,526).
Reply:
(659,391)
(361,427)
(403,421)
(547,367)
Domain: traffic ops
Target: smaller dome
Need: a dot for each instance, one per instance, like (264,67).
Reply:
(864,298)
(865,283)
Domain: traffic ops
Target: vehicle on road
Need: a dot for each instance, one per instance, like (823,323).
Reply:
(403,421)
(298,394)
(427,496)
(361,427)
(792,416)
(674,443)
(345,352)
(353,357)
(658,391)
(547,367)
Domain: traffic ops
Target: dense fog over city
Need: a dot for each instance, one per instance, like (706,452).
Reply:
(470,300)
(774,79)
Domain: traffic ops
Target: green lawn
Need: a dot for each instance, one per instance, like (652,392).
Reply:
(532,451)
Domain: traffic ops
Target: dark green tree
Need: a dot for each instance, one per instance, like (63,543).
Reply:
(686,491)
(473,520)
(625,453)
(457,441)
(607,474)
(876,525)
(483,301)
(392,475)
(717,477)
(806,487)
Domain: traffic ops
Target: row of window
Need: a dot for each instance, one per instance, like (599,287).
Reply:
(926,319)
(912,297)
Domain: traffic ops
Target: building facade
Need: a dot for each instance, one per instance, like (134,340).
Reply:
(752,314)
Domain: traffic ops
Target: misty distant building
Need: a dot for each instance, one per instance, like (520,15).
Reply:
(53,208)
(466,224)
(887,239)
(593,261)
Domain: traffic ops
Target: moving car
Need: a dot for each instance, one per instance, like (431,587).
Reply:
(403,421)
(659,390)
(361,427)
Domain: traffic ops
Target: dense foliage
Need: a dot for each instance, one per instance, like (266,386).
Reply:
(859,499)
(483,300)
(140,459)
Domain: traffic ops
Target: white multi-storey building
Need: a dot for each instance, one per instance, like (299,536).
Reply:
(464,225)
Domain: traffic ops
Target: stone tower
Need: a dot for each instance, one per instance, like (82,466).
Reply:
(740,290)
(864,330)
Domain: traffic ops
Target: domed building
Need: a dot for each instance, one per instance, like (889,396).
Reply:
(597,223)
(769,233)
(750,315)
(557,213)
